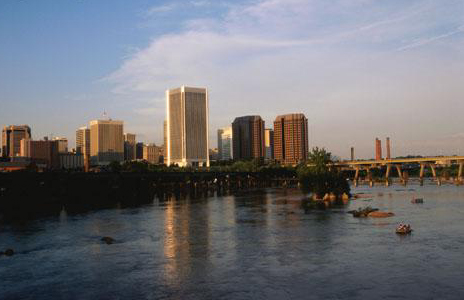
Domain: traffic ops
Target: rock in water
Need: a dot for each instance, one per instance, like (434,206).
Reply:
(380,214)
(108,240)
(9,252)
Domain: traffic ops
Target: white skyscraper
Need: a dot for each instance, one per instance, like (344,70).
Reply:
(187,126)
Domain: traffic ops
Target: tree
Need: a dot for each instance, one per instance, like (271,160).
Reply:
(316,176)
(319,159)
(115,166)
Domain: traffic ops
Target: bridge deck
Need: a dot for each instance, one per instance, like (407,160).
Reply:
(436,159)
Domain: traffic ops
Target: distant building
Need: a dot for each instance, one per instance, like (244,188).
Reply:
(83,141)
(62,144)
(213,154)
(378,149)
(269,143)
(70,161)
(291,139)
(248,137)
(225,143)
(139,151)
(388,148)
(129,146)
(352,153)
(45,152)
(187,126)
(152,153)
(11,139)
(106,141)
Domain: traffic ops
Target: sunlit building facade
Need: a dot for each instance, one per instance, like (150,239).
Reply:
(291,139)
(106,141)
(225,143)
(11,139)
(187,126)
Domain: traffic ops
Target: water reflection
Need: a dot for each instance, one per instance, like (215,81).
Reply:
(258,245)
(186,239)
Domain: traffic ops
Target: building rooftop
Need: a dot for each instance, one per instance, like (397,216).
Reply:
(290,116)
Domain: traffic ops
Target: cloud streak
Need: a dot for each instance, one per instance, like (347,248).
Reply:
(423,42)
(317,57)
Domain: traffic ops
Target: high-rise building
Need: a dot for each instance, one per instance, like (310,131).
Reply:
(187,126)
(291,138)
(269,143)
(106,141)
(62,144)
(165,139)
(378,149)
(388,149)
(248,137)
(152,153)
(129,146)
(83,141)
(139,150)
(225,143)
(41,152)
(352,153)
(213,154)
(11,139)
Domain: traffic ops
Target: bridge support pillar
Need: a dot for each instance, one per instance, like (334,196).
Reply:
(434,172)
(400,174)
(421,174)
(461,166)
(369,177)
(356,177)
(387,175)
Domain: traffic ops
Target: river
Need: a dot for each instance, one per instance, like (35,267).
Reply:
(254,245)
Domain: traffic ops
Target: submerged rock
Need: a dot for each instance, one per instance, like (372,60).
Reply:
(9,252)
(108,240)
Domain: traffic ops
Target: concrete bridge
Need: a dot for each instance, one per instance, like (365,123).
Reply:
(398,163)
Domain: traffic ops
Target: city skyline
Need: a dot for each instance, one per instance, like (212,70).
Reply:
(379,69)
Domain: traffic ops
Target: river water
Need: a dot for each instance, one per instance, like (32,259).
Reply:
(255,245)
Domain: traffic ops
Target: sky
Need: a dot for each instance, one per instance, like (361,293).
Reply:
(358,69)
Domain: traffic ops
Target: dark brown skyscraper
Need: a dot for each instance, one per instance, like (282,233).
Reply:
(11,139)
(291,139)
(378,149)
(248,137)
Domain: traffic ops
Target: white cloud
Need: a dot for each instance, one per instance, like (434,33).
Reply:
(336,61)
(161,9)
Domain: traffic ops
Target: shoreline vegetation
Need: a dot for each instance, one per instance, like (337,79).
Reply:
(136,183)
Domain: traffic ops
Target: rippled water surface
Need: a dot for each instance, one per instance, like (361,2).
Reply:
(256,245)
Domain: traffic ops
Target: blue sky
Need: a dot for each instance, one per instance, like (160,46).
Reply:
(358,69)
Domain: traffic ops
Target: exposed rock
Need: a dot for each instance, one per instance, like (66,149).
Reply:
(108,240)
(380,214)
(362,212)
(9,252)
(417,200)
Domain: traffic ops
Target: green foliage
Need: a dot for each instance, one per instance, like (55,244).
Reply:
(319,159)
(115,167)
(317,176)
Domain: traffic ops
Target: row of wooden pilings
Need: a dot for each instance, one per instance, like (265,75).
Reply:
(404,176)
